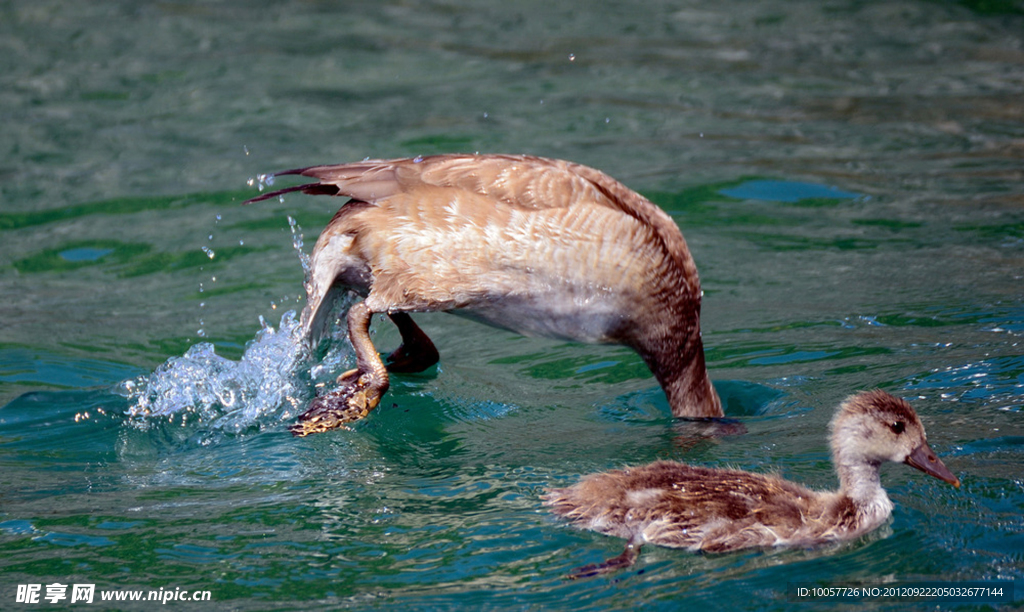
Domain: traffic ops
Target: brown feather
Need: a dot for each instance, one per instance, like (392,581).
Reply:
(718,510)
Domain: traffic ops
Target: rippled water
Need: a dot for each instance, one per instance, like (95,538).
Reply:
(848,176)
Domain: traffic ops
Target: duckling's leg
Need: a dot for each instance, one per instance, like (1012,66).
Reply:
(417,352)
(627,558)
(359,390)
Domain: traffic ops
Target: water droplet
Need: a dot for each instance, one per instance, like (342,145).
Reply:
(218,217)
(417,159)
(572,57)
(607,119)
(246,149)
(241,243)
(209,252)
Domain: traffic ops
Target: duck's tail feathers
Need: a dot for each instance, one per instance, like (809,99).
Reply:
(308,188)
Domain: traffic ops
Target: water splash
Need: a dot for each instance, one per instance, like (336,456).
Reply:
(273,381)
(297,244)
(261,181)
(265,385)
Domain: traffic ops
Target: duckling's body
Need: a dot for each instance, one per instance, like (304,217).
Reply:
(716,510)
(537,246)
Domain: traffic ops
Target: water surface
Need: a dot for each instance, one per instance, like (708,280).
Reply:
(847,175)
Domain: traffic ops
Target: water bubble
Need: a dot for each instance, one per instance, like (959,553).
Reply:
(241,243)
(246,149)
(572,57)
(209,252)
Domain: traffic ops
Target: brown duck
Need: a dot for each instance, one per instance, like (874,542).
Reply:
(538,246)
(719,510)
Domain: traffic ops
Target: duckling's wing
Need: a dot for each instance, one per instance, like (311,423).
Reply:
(729,509)
(682,506)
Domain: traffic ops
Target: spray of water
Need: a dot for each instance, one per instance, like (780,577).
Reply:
(271,383)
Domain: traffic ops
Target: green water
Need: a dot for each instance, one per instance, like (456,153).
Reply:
(848,176)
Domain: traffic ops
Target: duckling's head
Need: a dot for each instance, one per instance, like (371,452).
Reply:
(873,427)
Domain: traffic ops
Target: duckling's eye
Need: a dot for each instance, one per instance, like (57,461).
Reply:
(897,427)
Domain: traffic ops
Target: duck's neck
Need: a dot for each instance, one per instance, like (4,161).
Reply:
(859,481)
(678,364)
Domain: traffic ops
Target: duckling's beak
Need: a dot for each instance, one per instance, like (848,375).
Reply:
(925,459)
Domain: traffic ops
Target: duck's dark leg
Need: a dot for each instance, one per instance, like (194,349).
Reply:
(417,352)
(627,558)
(359,390)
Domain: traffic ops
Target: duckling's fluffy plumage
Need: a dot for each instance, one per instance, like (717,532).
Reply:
(718,510)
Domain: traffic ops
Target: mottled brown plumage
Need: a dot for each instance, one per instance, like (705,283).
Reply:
(537,246)
(718,510)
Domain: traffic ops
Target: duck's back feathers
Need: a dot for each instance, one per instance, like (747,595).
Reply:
(520,181)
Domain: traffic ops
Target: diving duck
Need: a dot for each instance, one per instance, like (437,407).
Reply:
(541,247)
(718,510)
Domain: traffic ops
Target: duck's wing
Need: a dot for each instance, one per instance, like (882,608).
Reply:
(522,181)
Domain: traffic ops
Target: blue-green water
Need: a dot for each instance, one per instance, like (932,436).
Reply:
(848,176)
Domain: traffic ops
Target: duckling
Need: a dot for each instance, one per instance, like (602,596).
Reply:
(719,510)
(541,247)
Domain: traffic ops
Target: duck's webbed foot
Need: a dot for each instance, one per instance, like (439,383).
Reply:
(417,352)
(359,391)
(357,395)
(627,558)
